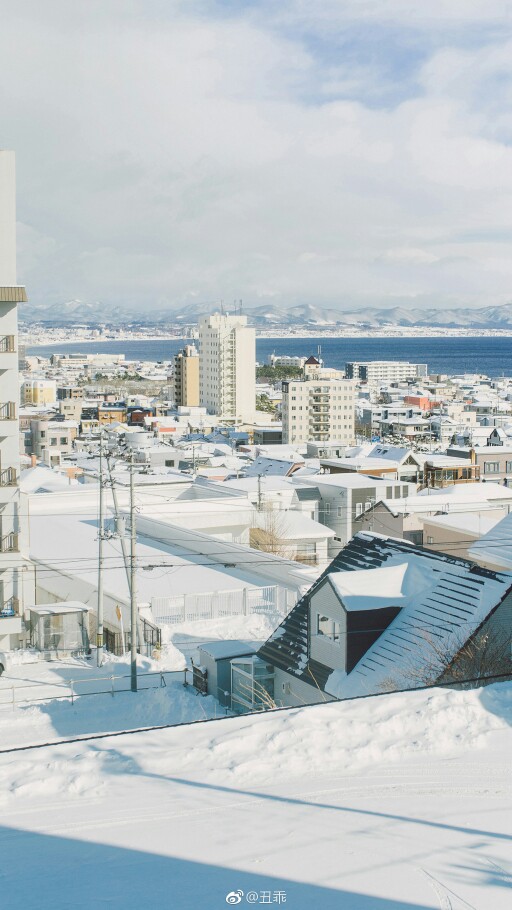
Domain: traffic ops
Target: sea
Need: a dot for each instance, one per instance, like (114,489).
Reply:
(490,355)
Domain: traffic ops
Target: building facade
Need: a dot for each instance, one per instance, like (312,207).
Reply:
(39,391)
(10,295)
(317,410)
(384,370)
(186,377)
(227,367)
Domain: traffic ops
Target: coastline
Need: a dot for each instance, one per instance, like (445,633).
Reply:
(50,340)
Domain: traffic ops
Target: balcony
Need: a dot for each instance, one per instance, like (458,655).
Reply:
(9,543)
(8,478)
(8,411)
(7,344)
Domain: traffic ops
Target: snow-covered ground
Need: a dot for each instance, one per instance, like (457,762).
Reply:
(396,802)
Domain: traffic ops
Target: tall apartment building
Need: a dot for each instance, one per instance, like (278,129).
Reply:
(186,377)
(227,367)
(318,410)
(10,295)
(385,370)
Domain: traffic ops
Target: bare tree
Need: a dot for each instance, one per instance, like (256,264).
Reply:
(485,655)
(269,534)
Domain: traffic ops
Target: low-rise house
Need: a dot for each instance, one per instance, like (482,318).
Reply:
(343,497)
(494,462)
(384,461)
(387,615)
(405,518)
(445,470)
(456,533)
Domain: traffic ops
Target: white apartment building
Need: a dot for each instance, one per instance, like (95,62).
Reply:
(318,410)
(227,367)
(10,295)
(384,370)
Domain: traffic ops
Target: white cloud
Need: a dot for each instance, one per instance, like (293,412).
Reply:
(166,153)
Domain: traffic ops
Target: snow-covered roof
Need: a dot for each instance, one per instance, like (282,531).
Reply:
(223,649)
(473,523)
(495,547)
(293,525)
(373,589)
(445,599)
(348,479)
(40,479)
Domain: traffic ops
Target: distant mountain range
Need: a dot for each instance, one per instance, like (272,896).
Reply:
(76,312)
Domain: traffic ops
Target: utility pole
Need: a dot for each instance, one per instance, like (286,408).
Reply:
(101,537)
(133,581)
(259,492)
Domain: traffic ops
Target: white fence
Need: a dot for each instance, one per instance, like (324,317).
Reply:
(216,604)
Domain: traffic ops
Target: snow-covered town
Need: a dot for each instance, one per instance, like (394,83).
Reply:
(255,456)
(306,572)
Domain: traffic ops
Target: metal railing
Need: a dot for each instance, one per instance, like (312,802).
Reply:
(11,696)
(8,411)
(8,477)
(217,604)
(7,345)
(9,543)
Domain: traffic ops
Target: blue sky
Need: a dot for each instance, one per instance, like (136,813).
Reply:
(337,152)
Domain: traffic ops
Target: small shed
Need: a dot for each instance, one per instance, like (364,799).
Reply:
(215,657)
(60,628)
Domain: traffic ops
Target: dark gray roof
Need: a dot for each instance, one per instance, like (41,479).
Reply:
(456,601)
(308,493)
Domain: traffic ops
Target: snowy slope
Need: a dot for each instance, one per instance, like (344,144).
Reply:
(389,803)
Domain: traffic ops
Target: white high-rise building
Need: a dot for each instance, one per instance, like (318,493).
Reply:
(10,295)
(318,410)
(227,367)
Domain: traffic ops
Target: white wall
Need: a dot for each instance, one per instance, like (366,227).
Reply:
(7,219)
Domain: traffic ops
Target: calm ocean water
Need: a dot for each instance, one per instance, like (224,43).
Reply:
(492,356)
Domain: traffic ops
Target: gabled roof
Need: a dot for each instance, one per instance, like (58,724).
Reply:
(456,600)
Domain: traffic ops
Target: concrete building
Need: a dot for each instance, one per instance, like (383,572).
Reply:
(186,377)
(317,410)
(384,370)
(50,439)
(227,367)
(344,497)
(10,295)
(38,391)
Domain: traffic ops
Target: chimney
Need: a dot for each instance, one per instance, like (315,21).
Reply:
(33,461)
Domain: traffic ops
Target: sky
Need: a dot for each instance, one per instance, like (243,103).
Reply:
(339,153)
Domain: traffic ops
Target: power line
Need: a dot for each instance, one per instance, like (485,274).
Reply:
(228,718)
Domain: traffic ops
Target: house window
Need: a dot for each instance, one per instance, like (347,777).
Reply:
(327,508)
(430,540)
(53,441)
(359,508)
(339,511)
(329,628)
(509,467)
(63,440)
(491,467)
